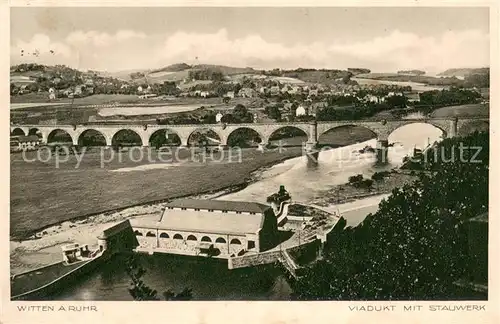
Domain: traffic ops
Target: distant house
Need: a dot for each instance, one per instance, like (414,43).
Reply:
(139,89)
(24,143)
(230,94)
(263,90)
(78,90)
(204,94)
(147,95)
(370,98)
(89,82)
(313,92)
(218,117)
(412,97)
(23,89)
(286,89)
(246,93)
(124,86)
(295,90)
(300,111)
(56,80)
(274,90)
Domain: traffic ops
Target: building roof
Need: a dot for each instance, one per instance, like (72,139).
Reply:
(115,229)
(210,222)
(236,206)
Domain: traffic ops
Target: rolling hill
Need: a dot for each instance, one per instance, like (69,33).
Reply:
(463,72)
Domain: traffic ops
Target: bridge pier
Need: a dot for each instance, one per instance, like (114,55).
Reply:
(262,146)
(453,128)
(312,153)
(382,151)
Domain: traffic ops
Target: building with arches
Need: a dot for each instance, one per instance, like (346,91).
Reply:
(214,228)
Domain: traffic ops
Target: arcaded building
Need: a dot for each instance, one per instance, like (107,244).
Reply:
(215,228)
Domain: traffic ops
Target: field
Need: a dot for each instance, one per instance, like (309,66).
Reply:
(42,194)
(463,110)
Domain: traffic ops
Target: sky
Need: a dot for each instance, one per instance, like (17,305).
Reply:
(381,39)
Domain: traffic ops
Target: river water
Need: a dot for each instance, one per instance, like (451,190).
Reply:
(415,86)
(210,279)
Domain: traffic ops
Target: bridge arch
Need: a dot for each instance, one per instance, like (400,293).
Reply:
(288,135)
(191,237)
(164,137)
(126,137)
(35,131)
(92,137)
(429,131)
(204,134)
(17,132)
(59,136)
(244,137)
(347,134)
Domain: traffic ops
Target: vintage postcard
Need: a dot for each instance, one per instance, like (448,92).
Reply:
(188,154)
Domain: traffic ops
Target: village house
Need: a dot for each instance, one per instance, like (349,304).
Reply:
(313,92)
(215,228)
(52,94)
(218,117)
(230,94)
(295,90)
(246,93)
(78,90)
(300,111)
(275,90)
(24,143)
(413,97)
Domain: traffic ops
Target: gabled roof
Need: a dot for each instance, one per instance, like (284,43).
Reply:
(236,206)
(210,222)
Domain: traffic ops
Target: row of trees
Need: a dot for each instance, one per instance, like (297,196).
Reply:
(414,247)
(454,96)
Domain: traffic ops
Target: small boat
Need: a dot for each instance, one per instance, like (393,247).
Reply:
(34,284)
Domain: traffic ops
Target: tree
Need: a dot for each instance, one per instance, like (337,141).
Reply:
(273,112)
(355,179)
(140,291)
(414,246)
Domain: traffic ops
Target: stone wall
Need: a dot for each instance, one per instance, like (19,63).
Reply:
(251,260)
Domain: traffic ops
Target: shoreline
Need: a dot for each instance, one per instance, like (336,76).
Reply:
(42,247)
(345,193)
(253,177)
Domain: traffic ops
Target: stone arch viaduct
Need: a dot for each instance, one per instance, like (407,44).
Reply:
(381,129)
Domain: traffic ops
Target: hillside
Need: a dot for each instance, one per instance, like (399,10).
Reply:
(463,72)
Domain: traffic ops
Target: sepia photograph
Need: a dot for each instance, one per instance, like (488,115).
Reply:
(249,154)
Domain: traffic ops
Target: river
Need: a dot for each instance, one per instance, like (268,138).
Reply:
(415,86)
(210,279)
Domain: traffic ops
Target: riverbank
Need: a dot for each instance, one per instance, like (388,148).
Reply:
(44,245)
(345,193)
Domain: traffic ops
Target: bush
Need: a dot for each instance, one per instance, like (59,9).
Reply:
(355,179)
